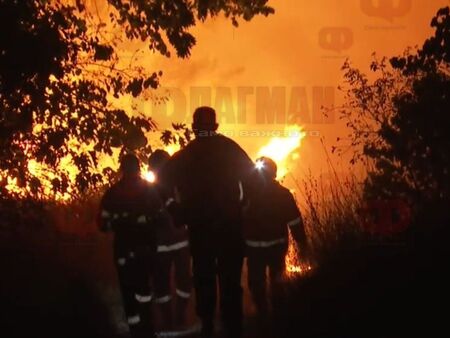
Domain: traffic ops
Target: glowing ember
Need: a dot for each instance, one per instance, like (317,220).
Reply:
(294,266)
(297,269)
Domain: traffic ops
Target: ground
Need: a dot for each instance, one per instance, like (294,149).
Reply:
(68,287)
(65,287)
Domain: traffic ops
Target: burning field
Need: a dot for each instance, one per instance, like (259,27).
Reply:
(285,150)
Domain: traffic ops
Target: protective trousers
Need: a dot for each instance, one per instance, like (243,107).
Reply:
(218,254)
(134,273)
(179,259)
(259,260)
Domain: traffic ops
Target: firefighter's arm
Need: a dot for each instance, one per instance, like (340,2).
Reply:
(105,215)
(175,209)
(244,165)
(295,223)
(247,183)
(171,194)
(297,229)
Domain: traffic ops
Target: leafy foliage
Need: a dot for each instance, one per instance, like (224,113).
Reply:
(399,122)
(61,72)
(143,19)
(180,134)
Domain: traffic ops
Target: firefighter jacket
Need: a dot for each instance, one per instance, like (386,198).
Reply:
(270,215)
(131,208)
(209,177)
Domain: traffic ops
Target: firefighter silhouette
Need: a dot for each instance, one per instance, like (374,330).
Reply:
(129,209)
(172,251)
(209,181)
(271,214)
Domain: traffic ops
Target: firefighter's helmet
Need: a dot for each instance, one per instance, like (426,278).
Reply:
(157,159)
(267,167)
(129,164)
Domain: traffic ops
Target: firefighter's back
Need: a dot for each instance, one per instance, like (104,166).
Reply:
(129,209)
(268,213)
(131,206)
(210,179)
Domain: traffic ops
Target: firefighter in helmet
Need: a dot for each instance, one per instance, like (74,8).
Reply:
(271,214)
(172,251)
(209,181)
(129,209)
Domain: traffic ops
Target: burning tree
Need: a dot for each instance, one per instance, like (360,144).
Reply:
(61,73)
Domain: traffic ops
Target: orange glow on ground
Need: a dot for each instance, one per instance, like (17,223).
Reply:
(294,265)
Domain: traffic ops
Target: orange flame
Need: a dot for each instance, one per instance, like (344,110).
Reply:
(294,265)
(45,175)
(283,149)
